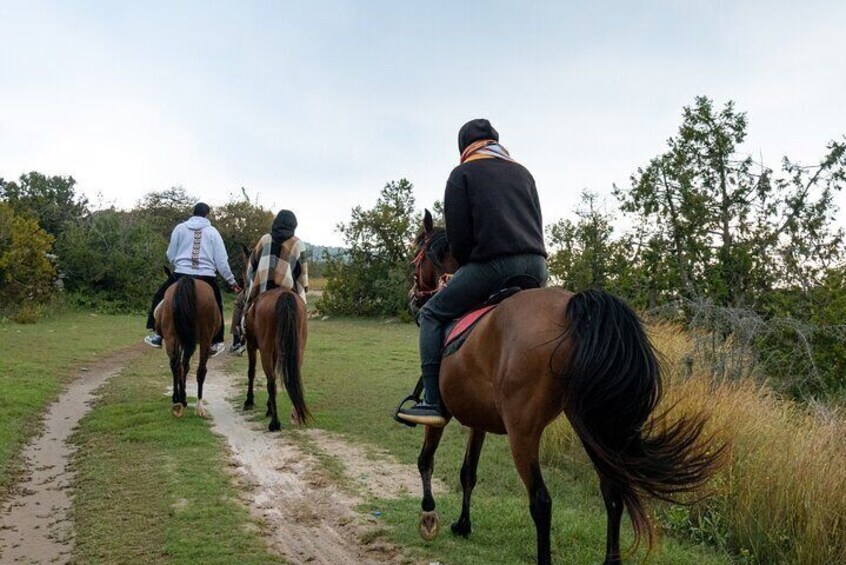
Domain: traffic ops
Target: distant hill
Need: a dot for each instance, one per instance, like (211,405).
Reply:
(317,252)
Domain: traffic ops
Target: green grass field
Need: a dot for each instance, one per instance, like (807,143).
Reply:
(151,489)
(37,360)
(154,489)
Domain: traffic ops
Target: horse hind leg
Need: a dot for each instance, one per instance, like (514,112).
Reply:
(251,377)
(202,370)
(468,480)
(614,511)
(525,449)
(429,526)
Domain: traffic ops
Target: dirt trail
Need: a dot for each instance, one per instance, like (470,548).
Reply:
(34,524)
(308,519)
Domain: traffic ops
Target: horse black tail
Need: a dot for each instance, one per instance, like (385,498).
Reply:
(613,381)
(288,352)
(185,317)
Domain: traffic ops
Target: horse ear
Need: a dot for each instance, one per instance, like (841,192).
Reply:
(428,223)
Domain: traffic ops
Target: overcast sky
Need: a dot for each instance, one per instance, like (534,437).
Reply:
(313,106)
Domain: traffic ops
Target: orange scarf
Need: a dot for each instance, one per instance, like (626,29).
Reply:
(485,149)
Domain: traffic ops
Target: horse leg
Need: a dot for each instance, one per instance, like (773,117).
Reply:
(268,366)
(251,376)
(201,378)
(429,525)
(183,382)
(176,370)
(524,449)
(614,510)
(468,480)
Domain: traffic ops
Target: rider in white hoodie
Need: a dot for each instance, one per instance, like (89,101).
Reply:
(196,250)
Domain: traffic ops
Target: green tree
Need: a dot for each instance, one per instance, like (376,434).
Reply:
(732,230)
(372,278)
(163,210)
(241,222)
(113,260)
(51,200)
(26,271)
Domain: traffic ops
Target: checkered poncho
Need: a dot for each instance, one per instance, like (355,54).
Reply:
(266,270)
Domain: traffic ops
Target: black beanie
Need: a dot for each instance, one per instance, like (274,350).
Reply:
(201,209)
(474,130)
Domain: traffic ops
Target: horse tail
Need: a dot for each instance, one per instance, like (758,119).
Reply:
(288,352)
(185,317)
(613,385)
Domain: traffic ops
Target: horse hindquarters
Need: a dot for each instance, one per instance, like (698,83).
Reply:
(613,385)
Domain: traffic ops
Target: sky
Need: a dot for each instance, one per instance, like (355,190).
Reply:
(314,106)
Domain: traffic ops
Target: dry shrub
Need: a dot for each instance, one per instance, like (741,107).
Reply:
(782,496)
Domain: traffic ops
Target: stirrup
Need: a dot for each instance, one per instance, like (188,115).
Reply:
(413,397)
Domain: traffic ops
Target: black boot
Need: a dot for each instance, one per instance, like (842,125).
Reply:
(429,411)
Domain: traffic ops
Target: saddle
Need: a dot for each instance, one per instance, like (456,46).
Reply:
(460,329)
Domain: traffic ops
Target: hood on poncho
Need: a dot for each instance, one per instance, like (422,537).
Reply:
(284,226)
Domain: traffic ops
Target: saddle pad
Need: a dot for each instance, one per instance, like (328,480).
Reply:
(461,328)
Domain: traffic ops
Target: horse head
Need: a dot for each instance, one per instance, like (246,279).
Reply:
(433,262)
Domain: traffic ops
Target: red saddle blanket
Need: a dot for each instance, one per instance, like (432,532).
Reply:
(466,322)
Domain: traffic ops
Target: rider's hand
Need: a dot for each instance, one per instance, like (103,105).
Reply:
(235,288)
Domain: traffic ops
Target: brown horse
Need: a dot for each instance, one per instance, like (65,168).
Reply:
(547,351)
(277,326)
(187,318)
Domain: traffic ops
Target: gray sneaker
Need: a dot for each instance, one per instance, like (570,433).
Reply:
(153,340)
(237,348)
(217,349)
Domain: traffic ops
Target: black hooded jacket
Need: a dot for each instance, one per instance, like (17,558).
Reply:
(491,206)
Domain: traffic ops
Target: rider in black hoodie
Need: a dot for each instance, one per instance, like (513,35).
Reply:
(495,232)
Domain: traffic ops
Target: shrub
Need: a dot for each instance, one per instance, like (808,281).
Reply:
(113,260)
(26,271)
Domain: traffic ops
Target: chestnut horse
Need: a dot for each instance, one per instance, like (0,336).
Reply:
(277,326)
(547,351)
(187,318)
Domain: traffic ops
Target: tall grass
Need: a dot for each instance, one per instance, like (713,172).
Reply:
(782,496)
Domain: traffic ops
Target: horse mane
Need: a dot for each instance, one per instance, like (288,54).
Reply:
(438,244)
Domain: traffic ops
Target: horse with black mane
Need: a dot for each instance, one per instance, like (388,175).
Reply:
(545,351)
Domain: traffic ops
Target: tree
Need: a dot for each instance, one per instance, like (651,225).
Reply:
(52,201)
(372,278)
(241,223)
(113,260)
(732,230)
(163,210)
(26,271)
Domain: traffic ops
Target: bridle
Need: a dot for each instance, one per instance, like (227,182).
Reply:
(421,292)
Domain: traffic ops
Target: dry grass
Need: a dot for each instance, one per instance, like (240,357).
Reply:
(782,496)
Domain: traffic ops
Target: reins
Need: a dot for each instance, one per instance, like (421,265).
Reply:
(428,250)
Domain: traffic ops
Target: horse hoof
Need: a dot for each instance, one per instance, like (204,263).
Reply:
(274,426)
(176,410)
(429,526)
(249,405)
(461,529)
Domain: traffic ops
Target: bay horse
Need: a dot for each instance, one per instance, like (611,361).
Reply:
(187,318)
(546,351)
(277,327)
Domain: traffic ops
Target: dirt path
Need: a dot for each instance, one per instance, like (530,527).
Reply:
(34,524)
(308,519)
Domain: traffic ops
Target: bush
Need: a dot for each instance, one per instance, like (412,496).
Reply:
(26,271)
(373,277)
(113,260)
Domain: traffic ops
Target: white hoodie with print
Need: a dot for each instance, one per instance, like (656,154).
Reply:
(196,248)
